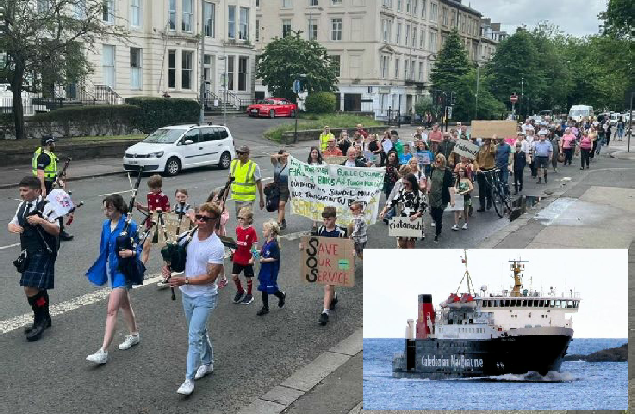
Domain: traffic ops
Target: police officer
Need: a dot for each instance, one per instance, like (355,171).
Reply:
(44,167)
(247,178)
(38,238)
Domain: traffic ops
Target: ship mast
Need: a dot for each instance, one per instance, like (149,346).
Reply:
(516,267)
(466,276)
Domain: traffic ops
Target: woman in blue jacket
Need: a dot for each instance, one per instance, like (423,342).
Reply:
(106,267)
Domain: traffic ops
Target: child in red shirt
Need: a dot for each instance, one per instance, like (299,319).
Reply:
(246,238)
(157,201)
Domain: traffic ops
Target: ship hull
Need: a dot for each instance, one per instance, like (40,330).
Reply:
(464,358)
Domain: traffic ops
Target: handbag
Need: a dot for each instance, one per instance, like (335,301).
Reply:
(561,157)
(22,262)
(272,194)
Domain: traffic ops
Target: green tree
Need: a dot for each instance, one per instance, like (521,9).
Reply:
(619,18)
(285,58)
(451,63)
(46,42)
(488,106)
(424,104)
(516,69)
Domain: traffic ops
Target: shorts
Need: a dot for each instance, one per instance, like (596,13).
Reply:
(284,192)
(542,162)
(359,247)
(249,269)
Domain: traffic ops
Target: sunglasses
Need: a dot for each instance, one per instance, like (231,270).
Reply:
(203,218)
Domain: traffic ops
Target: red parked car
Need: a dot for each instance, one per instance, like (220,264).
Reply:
(272,107)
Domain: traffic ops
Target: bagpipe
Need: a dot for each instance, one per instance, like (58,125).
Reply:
(132,268)
(61,197)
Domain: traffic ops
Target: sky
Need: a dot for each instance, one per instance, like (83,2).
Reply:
(576,17)
(393,279)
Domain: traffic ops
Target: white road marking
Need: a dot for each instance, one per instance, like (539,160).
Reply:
(9,246)
(60,308)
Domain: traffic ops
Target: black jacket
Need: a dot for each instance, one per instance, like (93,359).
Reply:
(520,160)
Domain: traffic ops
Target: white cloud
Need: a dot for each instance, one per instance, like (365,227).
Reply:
(572,16)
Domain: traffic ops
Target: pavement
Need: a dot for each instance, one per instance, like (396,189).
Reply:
(577,209)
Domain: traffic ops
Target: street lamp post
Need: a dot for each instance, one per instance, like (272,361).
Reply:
(630,124)
(201,114)
(224,59)
(478,78)
(296,89)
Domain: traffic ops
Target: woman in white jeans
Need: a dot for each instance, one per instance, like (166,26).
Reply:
(199,292)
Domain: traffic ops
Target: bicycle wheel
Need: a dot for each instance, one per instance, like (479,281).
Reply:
(498,201)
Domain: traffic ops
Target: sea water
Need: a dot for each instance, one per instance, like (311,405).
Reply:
(578,386)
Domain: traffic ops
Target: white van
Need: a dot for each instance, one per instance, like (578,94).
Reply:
(579,112)
(174,148)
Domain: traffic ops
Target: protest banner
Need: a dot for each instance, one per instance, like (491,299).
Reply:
(485,129)
(423,158)
(313,187)
(466,148)
(334,159)
(404,227)
(328,261)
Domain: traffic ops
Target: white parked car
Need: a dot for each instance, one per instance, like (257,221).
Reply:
(175,148)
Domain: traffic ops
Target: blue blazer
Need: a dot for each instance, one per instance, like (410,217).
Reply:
(108,250)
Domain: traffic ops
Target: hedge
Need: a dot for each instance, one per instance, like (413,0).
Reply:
(320,102)
(159,112)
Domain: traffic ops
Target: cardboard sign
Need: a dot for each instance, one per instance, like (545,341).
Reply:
(485,129)
(334,159)
(313,187)
(172,224)
(404,227)
(466,148)
(328,261)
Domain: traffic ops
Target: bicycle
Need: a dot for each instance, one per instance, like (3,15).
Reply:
(500,197)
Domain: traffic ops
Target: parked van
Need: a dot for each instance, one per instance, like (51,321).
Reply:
(579,112)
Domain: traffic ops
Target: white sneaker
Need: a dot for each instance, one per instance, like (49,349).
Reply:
(455,228)
(432,223)
(129,342)
(186,388)
(99,357)
(203,370)
(464,226)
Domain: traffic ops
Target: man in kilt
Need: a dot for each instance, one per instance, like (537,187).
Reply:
(39,238)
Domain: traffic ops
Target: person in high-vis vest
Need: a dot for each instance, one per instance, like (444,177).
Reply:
(247,179)
(44,164)
(324,138)
(44,167)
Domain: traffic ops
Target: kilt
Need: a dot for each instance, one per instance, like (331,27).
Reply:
(40,271)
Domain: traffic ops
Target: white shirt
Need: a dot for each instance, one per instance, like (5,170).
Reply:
(199,254)
(48,209)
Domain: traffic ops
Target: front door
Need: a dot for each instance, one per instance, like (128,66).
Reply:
(352,102)
(190,153)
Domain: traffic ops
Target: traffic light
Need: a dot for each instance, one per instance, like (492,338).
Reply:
(452,98)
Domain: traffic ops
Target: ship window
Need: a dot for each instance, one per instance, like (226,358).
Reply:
(506,303)
(558,304)
(541,303)
(552,303)
(484,304)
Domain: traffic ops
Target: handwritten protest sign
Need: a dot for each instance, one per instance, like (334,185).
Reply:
(313,187)
(485,129)
(334,159)
(466,148)
(403,227)
(328,261)
(172,224)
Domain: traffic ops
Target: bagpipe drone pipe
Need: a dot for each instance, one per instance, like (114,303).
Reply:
(132,268)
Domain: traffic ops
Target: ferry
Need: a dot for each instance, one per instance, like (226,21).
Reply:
(487,334)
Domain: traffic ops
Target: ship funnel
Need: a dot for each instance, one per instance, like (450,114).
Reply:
(426,312)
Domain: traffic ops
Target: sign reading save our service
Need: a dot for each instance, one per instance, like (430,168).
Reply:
(328,261)
(313,187)
(404,227)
